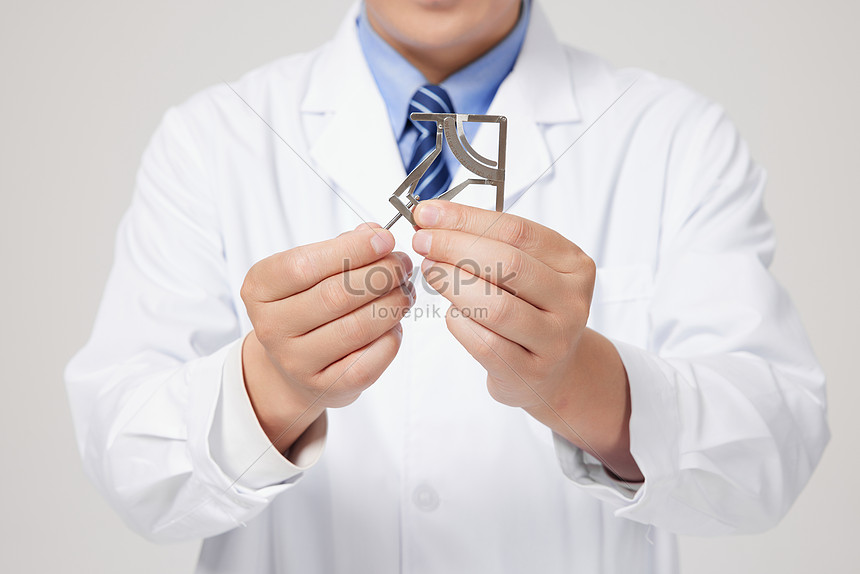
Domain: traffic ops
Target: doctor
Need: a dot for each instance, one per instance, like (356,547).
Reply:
(606,365)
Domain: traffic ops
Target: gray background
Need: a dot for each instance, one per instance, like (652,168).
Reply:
(84,84)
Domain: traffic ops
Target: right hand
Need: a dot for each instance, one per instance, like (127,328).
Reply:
(326,320)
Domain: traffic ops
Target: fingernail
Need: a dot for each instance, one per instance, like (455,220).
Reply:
(425,265)
(382,241)
(405,263)
(410,292)
(427,214)
(421,242)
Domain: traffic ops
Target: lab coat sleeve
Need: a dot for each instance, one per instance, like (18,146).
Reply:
(728,401)
(241,447)
(147,387)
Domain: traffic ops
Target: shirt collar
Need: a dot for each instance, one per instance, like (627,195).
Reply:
(471,89)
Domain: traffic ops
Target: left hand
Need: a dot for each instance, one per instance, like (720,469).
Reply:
(520,295)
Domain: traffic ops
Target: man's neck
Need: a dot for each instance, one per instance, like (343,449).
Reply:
(436,64)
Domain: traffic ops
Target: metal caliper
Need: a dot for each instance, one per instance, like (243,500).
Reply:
(489,172)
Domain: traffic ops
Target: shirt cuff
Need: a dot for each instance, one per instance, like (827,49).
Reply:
(242,449)
(653,421)
(587,471)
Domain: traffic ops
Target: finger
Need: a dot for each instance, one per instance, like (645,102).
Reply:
(290,272)
(364,225)
(538,241)
(361,368)
(331,342)
(494,308)
(496,354)
(503,265)
(507,363)
(340,294)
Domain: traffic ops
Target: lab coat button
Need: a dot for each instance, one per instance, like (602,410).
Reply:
(425,498)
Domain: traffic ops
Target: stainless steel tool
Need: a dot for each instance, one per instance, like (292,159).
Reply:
(489,172)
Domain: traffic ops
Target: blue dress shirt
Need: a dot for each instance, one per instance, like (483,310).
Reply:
(471,88)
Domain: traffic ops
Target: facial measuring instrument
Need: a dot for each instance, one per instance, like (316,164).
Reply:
(450,126)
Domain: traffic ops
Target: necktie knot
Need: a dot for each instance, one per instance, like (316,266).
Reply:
(429,99)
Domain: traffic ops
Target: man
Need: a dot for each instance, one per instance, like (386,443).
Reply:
(616,364)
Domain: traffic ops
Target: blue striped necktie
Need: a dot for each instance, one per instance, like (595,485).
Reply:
(429,99)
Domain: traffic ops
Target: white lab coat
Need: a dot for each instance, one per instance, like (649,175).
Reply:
(425,472)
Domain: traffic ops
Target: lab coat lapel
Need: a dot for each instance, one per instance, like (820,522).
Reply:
(358,152)
(536,94)
(356,149)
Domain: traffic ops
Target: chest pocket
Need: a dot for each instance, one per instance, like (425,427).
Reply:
(621,301)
